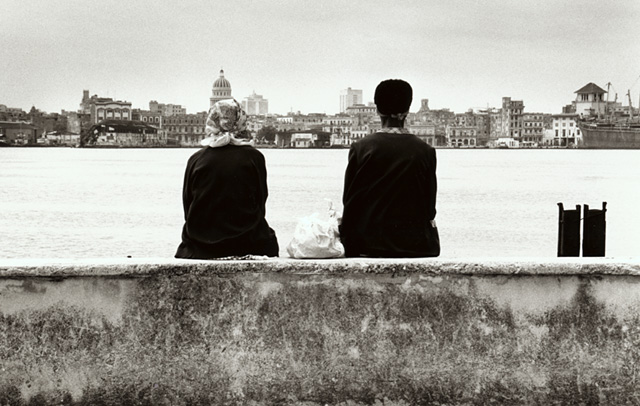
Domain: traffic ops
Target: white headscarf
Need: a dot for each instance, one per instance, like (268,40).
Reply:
(226,124)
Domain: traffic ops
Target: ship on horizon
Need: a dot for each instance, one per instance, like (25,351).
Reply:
(604,126)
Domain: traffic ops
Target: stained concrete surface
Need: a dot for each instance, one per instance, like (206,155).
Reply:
(339,332)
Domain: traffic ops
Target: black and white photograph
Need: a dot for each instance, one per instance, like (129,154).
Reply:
(319,203)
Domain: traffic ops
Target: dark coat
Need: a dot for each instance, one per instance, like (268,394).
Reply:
(224,197)
(390,197)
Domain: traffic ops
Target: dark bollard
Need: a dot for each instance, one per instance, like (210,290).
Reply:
(569,232)
(594,231)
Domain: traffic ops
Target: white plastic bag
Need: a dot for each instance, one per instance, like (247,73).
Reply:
(317,237)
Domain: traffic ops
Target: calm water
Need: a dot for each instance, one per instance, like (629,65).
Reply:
(72,203)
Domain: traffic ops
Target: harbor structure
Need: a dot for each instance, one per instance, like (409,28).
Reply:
(590,100)
(17,133)
(122,133)
(605,124)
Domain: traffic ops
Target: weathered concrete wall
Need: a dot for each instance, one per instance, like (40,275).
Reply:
(350,332)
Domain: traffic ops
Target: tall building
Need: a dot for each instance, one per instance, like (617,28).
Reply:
(349,97)
(511,118)
(221,89)
(255,105)
(532,128)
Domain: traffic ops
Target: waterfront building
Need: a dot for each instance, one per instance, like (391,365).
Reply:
(255,104)
(59,138)
(462,135)
(340,128)
(47,122)
(590,100)
(220,90)
(18,133)
(104,108)
(125,133)
(349,97)
(533,126)
(303,140)
(483,127)
(340,140)
(511,118)
(283,139)
(166,109)
(154,118)
(185,129)
(495,126)
(354,134)
(564,130)
(426,131)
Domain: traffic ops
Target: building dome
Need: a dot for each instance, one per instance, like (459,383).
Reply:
(221,82)
(221,89)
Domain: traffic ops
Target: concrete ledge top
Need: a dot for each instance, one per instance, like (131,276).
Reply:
(139,267)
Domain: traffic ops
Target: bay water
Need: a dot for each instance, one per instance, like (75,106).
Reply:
(92,203)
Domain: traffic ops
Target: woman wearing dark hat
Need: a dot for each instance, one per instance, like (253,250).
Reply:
(225,191)
(390,186)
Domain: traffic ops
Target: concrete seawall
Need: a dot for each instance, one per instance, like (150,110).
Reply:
(338,332)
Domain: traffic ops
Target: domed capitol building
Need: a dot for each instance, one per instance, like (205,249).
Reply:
(221,89)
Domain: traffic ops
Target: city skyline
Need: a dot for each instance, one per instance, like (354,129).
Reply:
(300,55)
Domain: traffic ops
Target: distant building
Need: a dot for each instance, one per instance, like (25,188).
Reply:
(564,130)
(533,127)
(59,138)
(590,100)
(340,126)
(123,133)
(220,90)
(426,131)
(104,108)
(255,105)
(462,135)
(185,129)
(303,140)
(154,118)
(349,97)
(166,109)
(17,133)
(511,118)
(47,122)
(12,113)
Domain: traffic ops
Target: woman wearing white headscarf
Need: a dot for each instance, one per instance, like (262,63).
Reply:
(225,192)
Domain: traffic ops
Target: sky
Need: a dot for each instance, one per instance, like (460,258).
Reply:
(299,54)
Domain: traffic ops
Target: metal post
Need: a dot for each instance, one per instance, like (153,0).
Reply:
(569,232)
(594,231)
